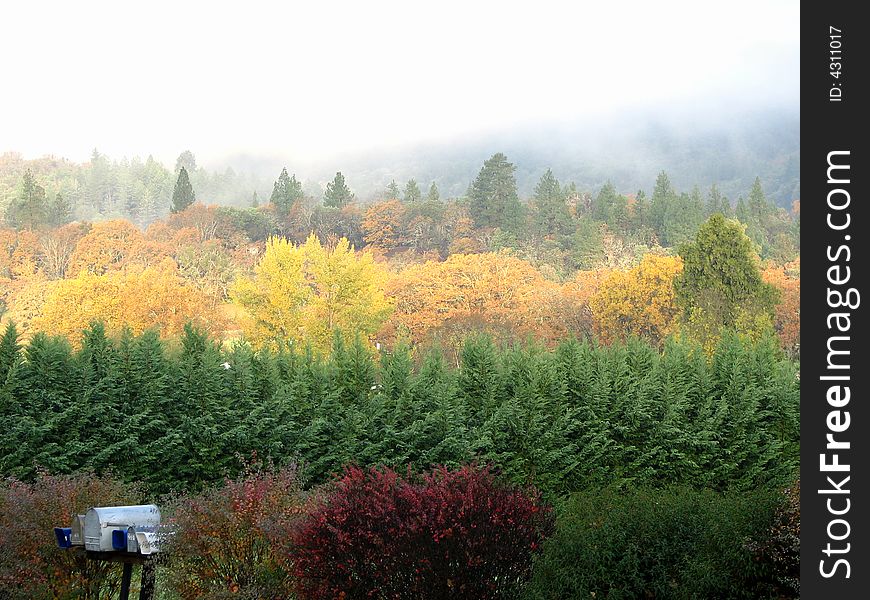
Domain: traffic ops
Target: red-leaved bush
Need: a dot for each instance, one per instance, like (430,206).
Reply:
(459,534)
(31,564)
(233,541)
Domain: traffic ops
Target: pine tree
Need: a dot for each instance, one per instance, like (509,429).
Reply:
(640,216)
(392,192)
(412,192)
(30,209)
(741,212)
(493,199)
(183,194)
(10,352)
(551,212)
(60,211)
(337,193)
(661,206)
(286,192)
(186,160)
(610,207)
(758,206)
(255,200)
(433,195)
(717,203)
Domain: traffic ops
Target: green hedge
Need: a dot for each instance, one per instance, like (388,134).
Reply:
(656,543)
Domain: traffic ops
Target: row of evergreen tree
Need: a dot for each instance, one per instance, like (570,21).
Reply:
(564,420)
(145,192)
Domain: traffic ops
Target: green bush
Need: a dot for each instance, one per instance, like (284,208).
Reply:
(655,543)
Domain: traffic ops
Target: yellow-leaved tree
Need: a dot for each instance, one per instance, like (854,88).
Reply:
(306,292)
(139,299)
(639,302)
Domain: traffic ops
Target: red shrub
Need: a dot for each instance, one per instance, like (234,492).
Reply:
(31,564)
(450,534)
(233,540)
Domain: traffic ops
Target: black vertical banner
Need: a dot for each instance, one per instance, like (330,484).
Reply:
(835,432)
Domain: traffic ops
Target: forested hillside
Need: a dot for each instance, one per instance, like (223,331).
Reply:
(511,381)
(410,265)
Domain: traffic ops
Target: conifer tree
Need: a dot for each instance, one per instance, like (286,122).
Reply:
(10,352)
(493,199)
(758,206)
(286,192)
(337,193)
(661,203)
(183,194)
(30,209)
(412,192)
(551,212)
(717,203)
(392,192)
(721,286)
(59,211)
(640,214)
(433,195)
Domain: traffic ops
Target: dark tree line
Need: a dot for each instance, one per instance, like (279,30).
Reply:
(576,417)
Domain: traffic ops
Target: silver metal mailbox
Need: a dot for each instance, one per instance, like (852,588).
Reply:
(101,522)
(77,537)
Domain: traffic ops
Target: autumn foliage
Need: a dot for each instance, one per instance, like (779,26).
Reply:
(639,302)
(305,292)
(31,565)
(451,533)
(139,299)
(489,291)
(787,321)
(233,540)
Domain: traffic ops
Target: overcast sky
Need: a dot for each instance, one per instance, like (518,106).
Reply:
(314,79)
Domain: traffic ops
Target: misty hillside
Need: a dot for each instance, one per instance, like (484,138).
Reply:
(629,154)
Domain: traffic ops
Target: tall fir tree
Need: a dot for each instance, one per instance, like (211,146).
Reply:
(286,192)
(661,205)
(758,206)
(721,285)
(30,209)
(412,192)
(551,212)
(337,194)
(183,194)
(717,203)
(392,192)
(186,160)
(59,211)
(493,198)
(434,195)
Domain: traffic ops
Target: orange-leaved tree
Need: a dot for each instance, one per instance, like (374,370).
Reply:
(106,247)
(139,299)
(787,313)
(383,224)
(491,291)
